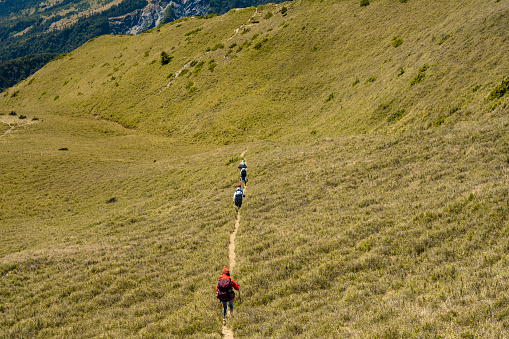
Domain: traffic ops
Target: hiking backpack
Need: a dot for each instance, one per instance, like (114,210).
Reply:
(238,196)
(243,172)
(224,287)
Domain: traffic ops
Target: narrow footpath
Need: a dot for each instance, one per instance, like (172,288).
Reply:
(227,332)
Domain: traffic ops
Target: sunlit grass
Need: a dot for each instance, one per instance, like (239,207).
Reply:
(376,208)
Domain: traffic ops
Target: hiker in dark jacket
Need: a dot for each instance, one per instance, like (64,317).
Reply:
(224,291)
(238,195)
(243,171)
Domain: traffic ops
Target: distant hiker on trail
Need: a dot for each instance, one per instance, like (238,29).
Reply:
(243,171)
(225,293)
(238,195)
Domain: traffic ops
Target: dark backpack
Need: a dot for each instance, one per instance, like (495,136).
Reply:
(238,197)
(243,172)
(224,286)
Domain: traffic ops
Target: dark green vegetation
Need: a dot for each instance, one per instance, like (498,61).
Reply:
(33,29)
(378,195)
(12,71)
(30,31)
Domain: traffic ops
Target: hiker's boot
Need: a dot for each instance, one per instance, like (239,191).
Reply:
(224,321)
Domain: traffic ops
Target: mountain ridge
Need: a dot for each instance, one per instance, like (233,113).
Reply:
(397,89)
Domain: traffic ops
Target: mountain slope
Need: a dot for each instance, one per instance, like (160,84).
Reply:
(377,153)
(34,27)
(329,72)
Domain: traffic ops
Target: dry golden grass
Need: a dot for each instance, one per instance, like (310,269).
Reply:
(378,195)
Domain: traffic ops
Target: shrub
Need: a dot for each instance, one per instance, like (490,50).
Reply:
(208,16)
(165,58)
(258,45)
(22,116)
(356,82)
(218,46)
(284,11)
(401,72)
(364,3)
(396,42)
(424,68)
(12,113)
(268,15)
(500,90)
(372,79)
(420,75)
(396,115)
(418,78)
(63,149)
(194,31)
(444,39)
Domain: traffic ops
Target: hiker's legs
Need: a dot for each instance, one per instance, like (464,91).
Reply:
(224,308)
(231,306)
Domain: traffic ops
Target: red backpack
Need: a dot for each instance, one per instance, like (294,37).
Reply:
(225,292)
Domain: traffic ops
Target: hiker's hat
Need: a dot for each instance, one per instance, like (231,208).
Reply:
(239,185)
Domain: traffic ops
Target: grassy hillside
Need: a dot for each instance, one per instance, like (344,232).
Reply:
(377,154)
(326,69)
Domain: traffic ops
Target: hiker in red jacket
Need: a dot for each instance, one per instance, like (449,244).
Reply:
(225,293)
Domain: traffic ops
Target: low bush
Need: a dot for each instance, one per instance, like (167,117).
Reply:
(500,90)
(396,42)
(396,115)
(420,75)
(194,31)
(165,58)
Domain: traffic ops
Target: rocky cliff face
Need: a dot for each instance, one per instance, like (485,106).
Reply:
(155,13)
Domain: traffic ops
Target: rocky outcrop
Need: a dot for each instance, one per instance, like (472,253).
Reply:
(156,13)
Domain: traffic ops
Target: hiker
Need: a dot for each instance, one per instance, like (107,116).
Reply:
(243,171)
(224,291)
(238,195)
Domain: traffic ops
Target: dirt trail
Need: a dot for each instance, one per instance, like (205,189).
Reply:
(227,332)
